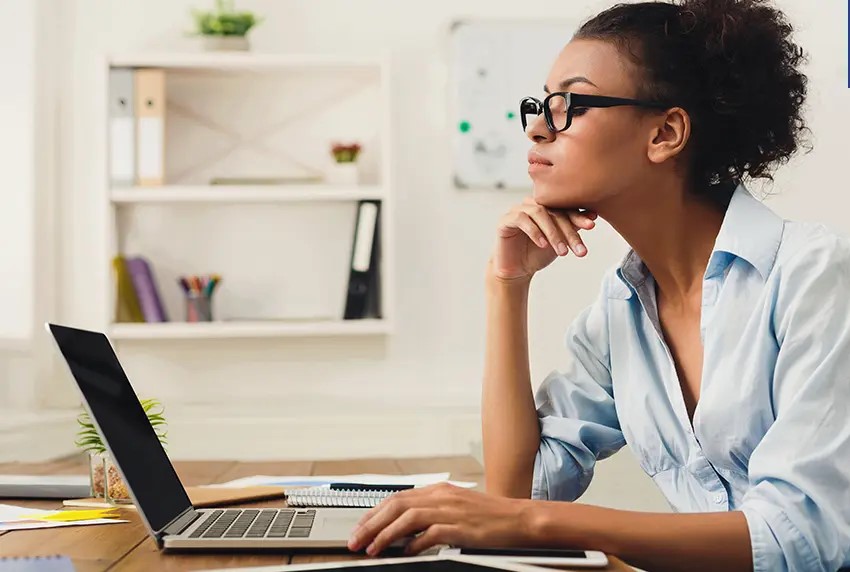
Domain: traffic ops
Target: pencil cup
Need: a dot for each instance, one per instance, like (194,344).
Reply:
(198,308)
(115,488)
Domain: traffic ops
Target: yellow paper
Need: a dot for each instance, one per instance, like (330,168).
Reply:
(74,515)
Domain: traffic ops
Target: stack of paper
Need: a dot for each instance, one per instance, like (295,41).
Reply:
(291,482)
(22,518)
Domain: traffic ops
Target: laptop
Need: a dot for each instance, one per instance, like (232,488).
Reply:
(156,490)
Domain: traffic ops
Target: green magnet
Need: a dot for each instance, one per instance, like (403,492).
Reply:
(464,126)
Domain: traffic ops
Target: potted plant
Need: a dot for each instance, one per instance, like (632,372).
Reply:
(224,28)
(106,481)
(344,169)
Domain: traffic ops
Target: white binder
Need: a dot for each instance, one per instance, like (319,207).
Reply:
(150,127)
(122,128)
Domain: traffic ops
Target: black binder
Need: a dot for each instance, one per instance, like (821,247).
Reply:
(363,299)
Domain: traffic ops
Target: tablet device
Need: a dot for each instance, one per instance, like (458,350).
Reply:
(44,486)
(536,556)
(436,563)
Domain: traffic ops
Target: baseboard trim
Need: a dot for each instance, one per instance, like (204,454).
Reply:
(325,437)
(43,436)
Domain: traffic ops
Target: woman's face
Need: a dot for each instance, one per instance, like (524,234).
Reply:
(605,149)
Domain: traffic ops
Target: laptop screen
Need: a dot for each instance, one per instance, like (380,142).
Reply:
(123,424)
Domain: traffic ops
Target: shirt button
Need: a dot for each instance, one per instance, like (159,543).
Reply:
(718,499)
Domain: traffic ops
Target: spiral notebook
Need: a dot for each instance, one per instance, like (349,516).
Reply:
(36,564)
(342,495)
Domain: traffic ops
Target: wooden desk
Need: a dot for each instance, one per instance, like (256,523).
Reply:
(127,547)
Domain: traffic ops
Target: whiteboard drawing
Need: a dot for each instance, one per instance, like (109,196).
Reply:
(494,64)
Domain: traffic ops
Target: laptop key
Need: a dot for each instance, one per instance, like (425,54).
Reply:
(222,524)
(281,523)
(202,528)
(262,524)
(300,532)
(240,526)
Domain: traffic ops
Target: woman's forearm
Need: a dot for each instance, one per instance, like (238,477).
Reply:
(652,541)
(510,428)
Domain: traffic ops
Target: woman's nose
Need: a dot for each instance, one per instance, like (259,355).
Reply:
(538,131)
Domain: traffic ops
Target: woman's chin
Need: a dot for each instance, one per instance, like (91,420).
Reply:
(556,196)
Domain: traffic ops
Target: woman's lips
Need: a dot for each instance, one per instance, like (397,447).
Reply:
(538,167)
(537,162)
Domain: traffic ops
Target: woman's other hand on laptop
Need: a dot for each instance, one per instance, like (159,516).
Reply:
(443,514)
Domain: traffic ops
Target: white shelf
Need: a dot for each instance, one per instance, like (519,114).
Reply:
(245,194)
(263,329)
(247,61)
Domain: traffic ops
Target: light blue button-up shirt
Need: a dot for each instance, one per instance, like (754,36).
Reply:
(771,431)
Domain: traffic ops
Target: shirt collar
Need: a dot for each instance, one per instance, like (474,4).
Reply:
(750,231)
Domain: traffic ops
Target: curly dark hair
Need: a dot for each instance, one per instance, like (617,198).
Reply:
(732,65)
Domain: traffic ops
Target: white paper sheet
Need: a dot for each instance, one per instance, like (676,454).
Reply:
(363,479)
(56,480)
(11,518)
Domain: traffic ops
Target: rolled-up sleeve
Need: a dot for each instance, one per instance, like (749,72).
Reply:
(578,420)
(798,506)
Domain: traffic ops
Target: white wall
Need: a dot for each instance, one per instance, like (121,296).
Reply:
(335,397)
(17,163)
(27,229)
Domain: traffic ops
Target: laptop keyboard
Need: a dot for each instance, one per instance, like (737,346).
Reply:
(256,523)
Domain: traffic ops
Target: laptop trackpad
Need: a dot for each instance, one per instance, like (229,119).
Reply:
(336,524)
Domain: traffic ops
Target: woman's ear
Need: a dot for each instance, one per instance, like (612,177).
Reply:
(669,135)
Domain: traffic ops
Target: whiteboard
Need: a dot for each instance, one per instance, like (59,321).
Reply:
(494,64)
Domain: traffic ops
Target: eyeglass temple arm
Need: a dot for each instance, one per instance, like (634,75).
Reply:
(608,101)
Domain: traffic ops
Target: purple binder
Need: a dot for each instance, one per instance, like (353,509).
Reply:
(146,290)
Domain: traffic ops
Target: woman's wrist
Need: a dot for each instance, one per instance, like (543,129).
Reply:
(534,526)
(496,282)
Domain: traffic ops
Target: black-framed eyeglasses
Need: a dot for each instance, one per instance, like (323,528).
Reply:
(560,107)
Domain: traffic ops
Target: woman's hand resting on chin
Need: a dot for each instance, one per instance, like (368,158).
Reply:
(530,237)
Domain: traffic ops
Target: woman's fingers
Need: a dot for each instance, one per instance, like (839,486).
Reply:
(570,232)
(527,225)
(434,535)
(379,517)
(555,228)
(581,220)
(546,223)
(408,524)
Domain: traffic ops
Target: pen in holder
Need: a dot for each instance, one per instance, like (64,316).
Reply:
(198,291)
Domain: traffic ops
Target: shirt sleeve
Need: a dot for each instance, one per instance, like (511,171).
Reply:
(798,505)
(578,421)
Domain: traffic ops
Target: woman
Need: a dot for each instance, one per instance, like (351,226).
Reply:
(719,349)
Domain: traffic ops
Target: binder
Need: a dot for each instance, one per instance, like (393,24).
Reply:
(127,307)
(146,289)
(150,127)
(122,128)
(363,298)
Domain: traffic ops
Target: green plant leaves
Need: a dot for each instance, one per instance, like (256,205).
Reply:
(89,439)
(224,21)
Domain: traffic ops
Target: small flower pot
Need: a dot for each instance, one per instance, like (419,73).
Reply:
(226,43)
(343,174)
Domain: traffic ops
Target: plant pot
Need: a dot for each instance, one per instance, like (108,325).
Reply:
(117,492)
(343,174)
(226,43)
(97,475)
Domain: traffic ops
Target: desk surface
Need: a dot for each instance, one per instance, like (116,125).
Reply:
(127,547)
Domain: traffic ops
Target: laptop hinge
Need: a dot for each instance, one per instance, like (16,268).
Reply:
(180,523)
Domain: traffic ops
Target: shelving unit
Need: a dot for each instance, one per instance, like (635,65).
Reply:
(246,194)
(155,221)
(247,329)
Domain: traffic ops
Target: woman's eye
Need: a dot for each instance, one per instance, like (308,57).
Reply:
(579,111)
